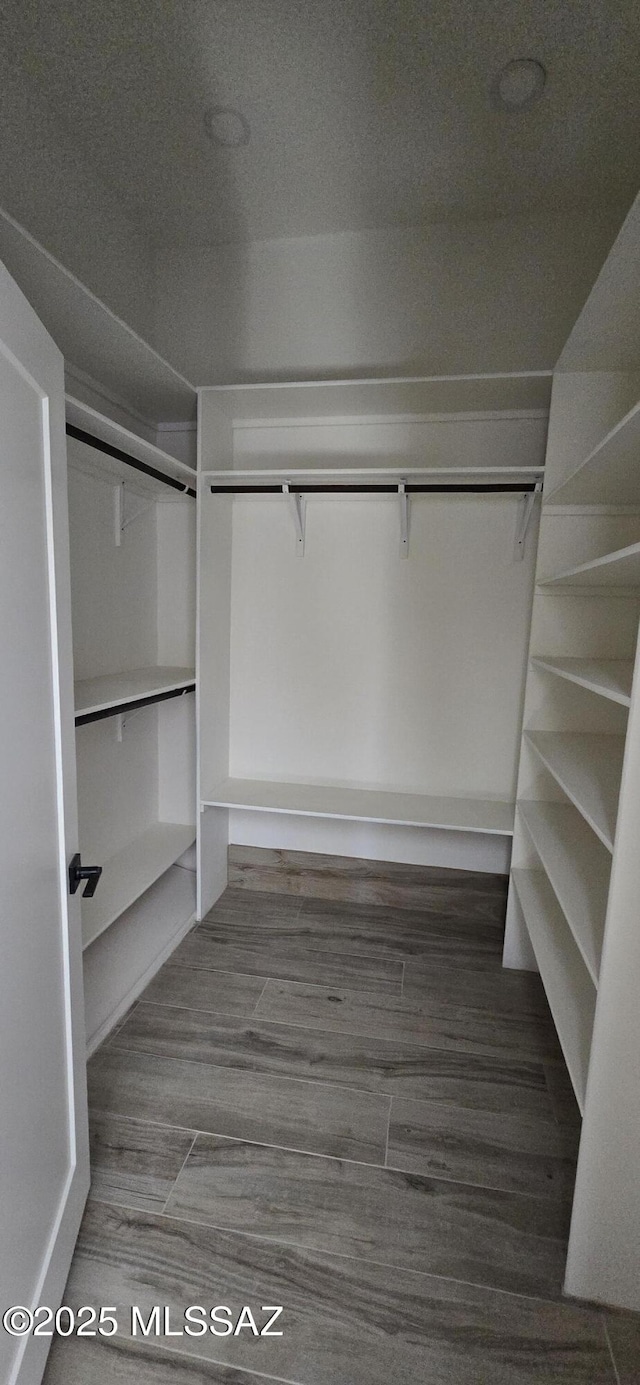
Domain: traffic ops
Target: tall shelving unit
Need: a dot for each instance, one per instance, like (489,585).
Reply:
(132,540)
(574,910)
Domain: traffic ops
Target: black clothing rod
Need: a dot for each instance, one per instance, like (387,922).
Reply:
(120,456)
(410,488)
(86,717)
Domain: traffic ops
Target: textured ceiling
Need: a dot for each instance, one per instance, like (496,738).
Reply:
(364,113)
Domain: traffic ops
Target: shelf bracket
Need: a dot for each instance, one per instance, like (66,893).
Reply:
(297,505)
(122,720)
(525,511)
(403,500)
(118,512)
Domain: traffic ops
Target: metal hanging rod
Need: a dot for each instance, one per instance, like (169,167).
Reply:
(369,488)
(85,717)
(81,436)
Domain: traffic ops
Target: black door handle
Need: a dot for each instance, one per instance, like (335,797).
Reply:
(78,873)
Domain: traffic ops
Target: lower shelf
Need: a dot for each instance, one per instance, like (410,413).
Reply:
(127,875)
(365,805)
(569,989)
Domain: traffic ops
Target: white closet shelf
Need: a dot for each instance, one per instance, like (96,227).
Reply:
(130,872)
(493,816)
(394,475)
(619,569)
(609,677)
(412,396)
(83,457)
(578,868)
(610,474)
(570,991)
(588,768)
(90,335)
(113,690)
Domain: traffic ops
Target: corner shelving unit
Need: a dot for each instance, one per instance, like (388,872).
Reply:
(573,907)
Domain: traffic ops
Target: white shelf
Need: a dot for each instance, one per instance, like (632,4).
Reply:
(578,868)
(465,475)
(84,457)
(569,990)
(588,768)
(412,397)
(113,689)
(365,805)
(619,569)
(609,677)
(610,475)
(91,336)
(127,875)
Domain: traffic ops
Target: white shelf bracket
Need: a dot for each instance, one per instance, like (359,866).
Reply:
(403,500)
(120,523)
(297,505)
(122,720)
(118,512)
(525,511)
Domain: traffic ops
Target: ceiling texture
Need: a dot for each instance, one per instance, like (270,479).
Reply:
(363,113)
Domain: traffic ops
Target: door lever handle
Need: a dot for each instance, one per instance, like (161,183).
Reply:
(78,873)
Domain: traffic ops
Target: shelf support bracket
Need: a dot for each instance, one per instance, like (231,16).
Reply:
(525,512)
(403,501)
(297,505)
(118,512)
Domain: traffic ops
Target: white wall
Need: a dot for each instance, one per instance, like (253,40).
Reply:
(353,665)
(49,186)
(482,296)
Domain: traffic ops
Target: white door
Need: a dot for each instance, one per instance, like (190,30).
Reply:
(44,1162)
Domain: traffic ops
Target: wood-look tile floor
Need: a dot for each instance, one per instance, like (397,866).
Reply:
(351,1111)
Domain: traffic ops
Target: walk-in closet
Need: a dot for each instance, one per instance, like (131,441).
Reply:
(320,689)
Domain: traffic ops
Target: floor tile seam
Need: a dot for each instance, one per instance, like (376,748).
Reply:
(251,1016)
(223,1067)
(554,1300)
(547,1123)
(462,1184)
(614,1363)
(339,1033)
(184,1161)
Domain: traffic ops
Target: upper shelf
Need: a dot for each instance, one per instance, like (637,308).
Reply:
(412,397)
(610,474)
(620,569)
(364,805)
(114,690)
(91,460)
(610,678)
(91,336)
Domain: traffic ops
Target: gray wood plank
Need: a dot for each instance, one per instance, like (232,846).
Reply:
(457,1027)
(230,951)
(134,1163)
(437,1227)
(371,1064)
(224,991)
(228,1101)
(496,1149)
(344,1319)
(122,1361)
